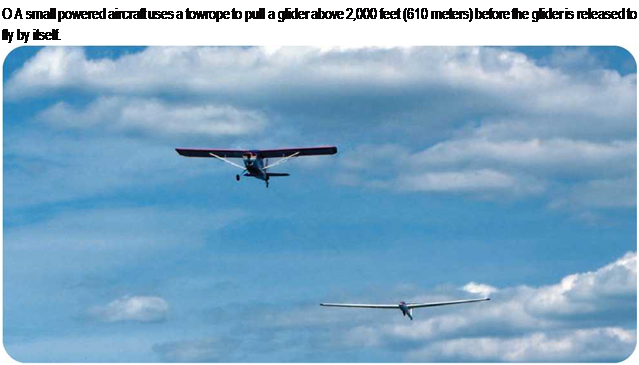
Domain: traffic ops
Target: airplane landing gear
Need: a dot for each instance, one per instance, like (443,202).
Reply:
(267,184)
(237,177)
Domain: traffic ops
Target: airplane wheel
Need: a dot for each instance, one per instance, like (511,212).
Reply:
(267,184)
(237,177)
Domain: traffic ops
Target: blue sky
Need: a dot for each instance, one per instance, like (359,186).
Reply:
(461,172)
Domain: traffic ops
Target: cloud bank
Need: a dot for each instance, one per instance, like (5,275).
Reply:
(151,115)
(278,72)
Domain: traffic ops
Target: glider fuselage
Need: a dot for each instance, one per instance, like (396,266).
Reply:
(405,310)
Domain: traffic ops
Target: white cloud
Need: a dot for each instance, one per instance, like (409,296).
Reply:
(589,295)
(132,308)
(607,344)
(599,193)
(602,173)
(507,79)
(483,180)
(477,288)
(154,116)
(552,156)
(588,292)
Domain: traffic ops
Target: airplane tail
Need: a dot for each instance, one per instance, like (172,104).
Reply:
(277,174)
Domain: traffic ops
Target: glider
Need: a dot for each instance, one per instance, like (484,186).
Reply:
(406,308)
(256,161)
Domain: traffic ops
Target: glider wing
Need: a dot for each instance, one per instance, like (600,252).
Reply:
(376,306)
(437,304)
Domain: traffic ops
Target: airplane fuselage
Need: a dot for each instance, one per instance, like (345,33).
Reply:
(255,166)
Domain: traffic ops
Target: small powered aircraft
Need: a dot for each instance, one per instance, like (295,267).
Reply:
(406,308)
(256,161)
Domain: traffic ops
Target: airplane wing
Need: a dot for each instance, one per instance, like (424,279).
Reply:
(376,306)
(437,304)
(195,152)
(304,151)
